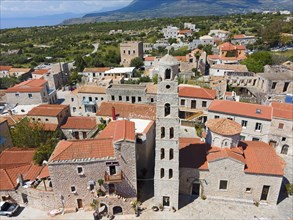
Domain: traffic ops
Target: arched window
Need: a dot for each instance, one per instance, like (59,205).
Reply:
(162,172)
(171,133)
(167,109)
(171,154)
(162,132)
(162,153)
(168,74)
(170,173)
(285,149)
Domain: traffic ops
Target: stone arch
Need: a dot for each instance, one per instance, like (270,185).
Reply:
(167,109)
(168,73)
(117,210)
(285,149)
(105,211)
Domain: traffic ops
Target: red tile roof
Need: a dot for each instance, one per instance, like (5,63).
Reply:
(12,119)
(47,110)
(194,92)
(82,149)
(239,36)
(192,153)
(5,68)
(33,85)
(149,58)
(181,58)
(44,173)
(224,126)
(41,71)
(241,109)
(282,110)
(128,110)
(12,157)
(80,122)
(218,153)
(261,158)
(185,31)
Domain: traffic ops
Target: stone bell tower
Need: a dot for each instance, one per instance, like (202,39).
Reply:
(166,182)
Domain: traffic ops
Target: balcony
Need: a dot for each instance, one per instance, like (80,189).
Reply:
(88,102)
(115,178)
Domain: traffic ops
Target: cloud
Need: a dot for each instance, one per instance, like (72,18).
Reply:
(30,8)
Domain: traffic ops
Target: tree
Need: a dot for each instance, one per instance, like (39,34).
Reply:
(256,61)
(155,79)
(80,64)
(172,40)
(136,62)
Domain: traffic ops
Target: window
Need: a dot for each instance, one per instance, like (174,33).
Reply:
(248,190)
(171,134)
(90,99)
(171,154)
(182,102)
(217,116)
(80,170)
(223,184)
(129,52)
(124,51)
(285,149)
(167,109)
(16,94)
(162,132)
(255,139)
(281,126)
(73,189)
(152,99)
(168,74)
(170,173)
(244,124)
(46,119)
(133,51)
(102,99)
(72,99)
(283,139)
(162,172)
(96,98)
(112,98)
(285,86)
(242,138)
(258,126)
(139,99)
(204,104)
(30,96)
(120,98)
(74,109)
(162,153)
(274,85)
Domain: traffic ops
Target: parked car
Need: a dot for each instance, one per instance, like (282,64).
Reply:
(8,209)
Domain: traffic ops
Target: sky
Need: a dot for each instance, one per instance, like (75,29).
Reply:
(33,8)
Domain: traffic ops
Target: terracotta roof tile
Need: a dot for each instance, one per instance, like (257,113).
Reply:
(237,68)
(181,58)
(149,58)
(12,157)
(261,158)
(32,85)
(19,70)
(124,130)
(224,126)
(194,92)
(128,110)
(185,31)
(242,109)
(217,154)
(5,181)
(282,110)
(80,122)
(5,68)
(41,71)
(13,119)
(44,173)
(82,149)
(97,70)
(92,89)
(151,88)
(47,110)
(192,153)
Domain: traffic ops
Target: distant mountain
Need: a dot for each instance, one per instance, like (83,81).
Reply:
(139,9)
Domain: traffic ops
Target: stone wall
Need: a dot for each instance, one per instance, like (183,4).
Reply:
(223,141)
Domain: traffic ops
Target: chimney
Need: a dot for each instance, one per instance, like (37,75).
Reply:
(113,113)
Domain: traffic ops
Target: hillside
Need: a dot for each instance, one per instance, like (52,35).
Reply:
(140,9)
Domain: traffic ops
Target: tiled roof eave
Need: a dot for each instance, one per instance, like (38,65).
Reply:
(228,113)
(262,173)
(84,160)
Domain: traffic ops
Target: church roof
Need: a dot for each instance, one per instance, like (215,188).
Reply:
(168,60)
(224,126)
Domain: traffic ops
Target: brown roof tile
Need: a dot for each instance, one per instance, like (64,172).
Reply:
(12,157)
(221,153)
(241,108)
(5,68)
(97,70)
(13,119)
(80,122)
(128,110)
(32,85)
(282,110)
(92,89)
(41,71)
(224,126)
(47,110)
(194,92)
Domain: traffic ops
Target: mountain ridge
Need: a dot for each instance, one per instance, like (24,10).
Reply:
(140,9)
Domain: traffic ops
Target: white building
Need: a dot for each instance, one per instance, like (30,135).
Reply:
(170,32)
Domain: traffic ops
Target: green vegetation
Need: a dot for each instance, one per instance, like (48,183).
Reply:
(136,62)
(6,82)
(289,188)
(256,61)
(43,141)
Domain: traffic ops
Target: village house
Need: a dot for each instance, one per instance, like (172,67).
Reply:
(243,39)
(190,26)
(219,84)
(184,33)
(80,127)
(194,102)
(34,91)
(127,72)
(4,71)
(220,34)
(224,69)
(225,168)
(21,73)
(5,137)
(255,119)
(207,40)
(130,50)
(24,182)
(84,170)
(40,73)
(52,116)
(93,74)
(147,47)
(281,137)
(170,32)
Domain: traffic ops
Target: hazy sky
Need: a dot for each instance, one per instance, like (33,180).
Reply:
(32,8)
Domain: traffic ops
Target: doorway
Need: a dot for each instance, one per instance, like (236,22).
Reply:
(79,204)
(264,193)
(117,210)
(195,189)
(166,201)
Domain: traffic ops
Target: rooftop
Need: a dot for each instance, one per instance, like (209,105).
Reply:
(92,89)
(282,110)
(168,60)
(41,71)
(277,74)
(96,70)
(47,110)
(236,68)
(80,122)
(120,70)
(33,85)
(228,47)
(224,126)
(241,109)
(20,70)
(195,92)
(5,68)
(128,110)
